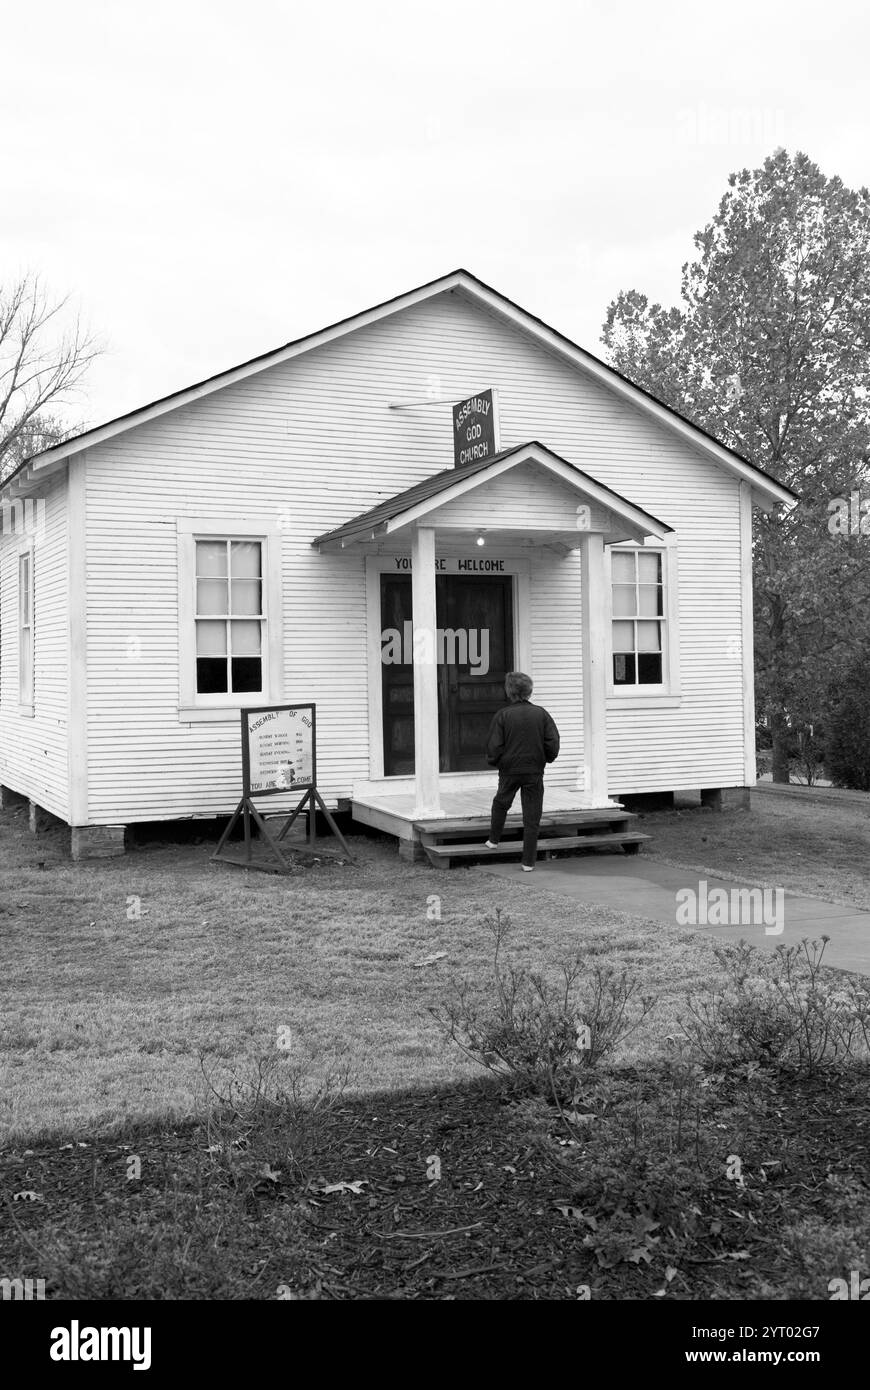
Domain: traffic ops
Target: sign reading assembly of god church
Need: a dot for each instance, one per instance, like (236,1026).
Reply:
(475,436)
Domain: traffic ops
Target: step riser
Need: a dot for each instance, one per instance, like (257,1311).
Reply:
(515,833)
(576,820)
(441,855)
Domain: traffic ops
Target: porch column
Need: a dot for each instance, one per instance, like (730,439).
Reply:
(426,753)
(594,615)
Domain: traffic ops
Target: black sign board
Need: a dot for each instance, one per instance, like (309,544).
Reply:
(475,435)
(279,754)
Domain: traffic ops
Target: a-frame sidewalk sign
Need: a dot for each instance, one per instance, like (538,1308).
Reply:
(279,755)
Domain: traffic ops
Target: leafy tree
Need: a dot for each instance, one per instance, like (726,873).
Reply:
(847,746)
(39,370)
(769,351)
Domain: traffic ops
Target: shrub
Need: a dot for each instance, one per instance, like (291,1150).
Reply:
(268,1119)
(543,1032)
(782,1010)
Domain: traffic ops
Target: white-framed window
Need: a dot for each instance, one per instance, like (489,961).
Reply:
(637,627)
(230,622)
(25,630)
(230,627)
(644,642)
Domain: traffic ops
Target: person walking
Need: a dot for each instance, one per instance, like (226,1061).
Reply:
(522,739)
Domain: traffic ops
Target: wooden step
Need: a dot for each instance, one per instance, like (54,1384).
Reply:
(469,825)
(441,855)
(513,834)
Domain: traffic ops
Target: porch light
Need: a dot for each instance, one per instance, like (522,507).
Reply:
(481,538)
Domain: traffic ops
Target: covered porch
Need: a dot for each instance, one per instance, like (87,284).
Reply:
(449,560)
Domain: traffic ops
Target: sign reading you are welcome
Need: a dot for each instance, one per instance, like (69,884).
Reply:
(474,429)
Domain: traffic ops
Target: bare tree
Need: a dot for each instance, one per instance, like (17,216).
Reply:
(39,370)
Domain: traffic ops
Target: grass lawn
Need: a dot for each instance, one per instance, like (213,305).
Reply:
(106,1017)
(122,979)
(821,850)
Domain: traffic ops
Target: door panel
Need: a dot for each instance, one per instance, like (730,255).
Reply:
(397,679)
(475,621)
(481,611)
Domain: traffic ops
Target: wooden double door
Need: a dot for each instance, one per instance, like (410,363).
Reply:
(475,649)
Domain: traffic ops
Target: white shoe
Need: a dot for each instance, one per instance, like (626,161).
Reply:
(527,868)
(488,844)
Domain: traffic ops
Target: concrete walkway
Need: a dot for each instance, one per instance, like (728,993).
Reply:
(645,887)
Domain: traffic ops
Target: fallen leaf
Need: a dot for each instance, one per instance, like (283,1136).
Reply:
(576,1214)
(640,1252)
(27,1196)
(354,1187)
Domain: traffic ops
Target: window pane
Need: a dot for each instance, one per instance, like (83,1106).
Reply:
(245,638)
(246,596)
(211,558)
(211,596)
(624,600)
(211,639)
(24,587)
(649,568)
(25,672)
(649,637)
(649,600)
(623,669)
(245,559)
(649,668)
(622,567)
(211,675)
(623,637)
(247,673)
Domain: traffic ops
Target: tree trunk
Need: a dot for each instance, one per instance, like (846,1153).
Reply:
(780,735)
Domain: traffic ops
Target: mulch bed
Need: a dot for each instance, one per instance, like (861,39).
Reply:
(514,1207)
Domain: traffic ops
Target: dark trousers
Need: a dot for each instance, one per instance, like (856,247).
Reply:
(530,786)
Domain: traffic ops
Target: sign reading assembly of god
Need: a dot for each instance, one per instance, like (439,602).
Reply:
(475,429)
(278,748)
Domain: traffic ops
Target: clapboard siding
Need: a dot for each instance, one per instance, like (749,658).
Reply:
(311,443)
(33,750)
(527,497)
(557,668)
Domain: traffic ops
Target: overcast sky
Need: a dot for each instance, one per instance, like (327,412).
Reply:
(209,180)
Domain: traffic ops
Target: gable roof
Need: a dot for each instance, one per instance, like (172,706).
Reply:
(767,488)
(440,488)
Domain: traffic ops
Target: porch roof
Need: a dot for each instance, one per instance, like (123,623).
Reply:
(414,503)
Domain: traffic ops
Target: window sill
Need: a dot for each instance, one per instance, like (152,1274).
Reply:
(634,700)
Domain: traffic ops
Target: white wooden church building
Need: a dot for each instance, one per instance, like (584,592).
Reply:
(292,529)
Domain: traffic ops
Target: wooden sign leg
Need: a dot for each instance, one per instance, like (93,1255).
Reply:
(273,844)
(329,821)
(292,817)
(233,822)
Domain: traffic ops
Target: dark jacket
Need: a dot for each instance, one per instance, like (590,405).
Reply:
(522,738)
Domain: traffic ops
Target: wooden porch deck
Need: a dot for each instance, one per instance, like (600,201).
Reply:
(393,811)
(461,829)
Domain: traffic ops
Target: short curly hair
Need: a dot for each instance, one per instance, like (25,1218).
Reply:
(517,685)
